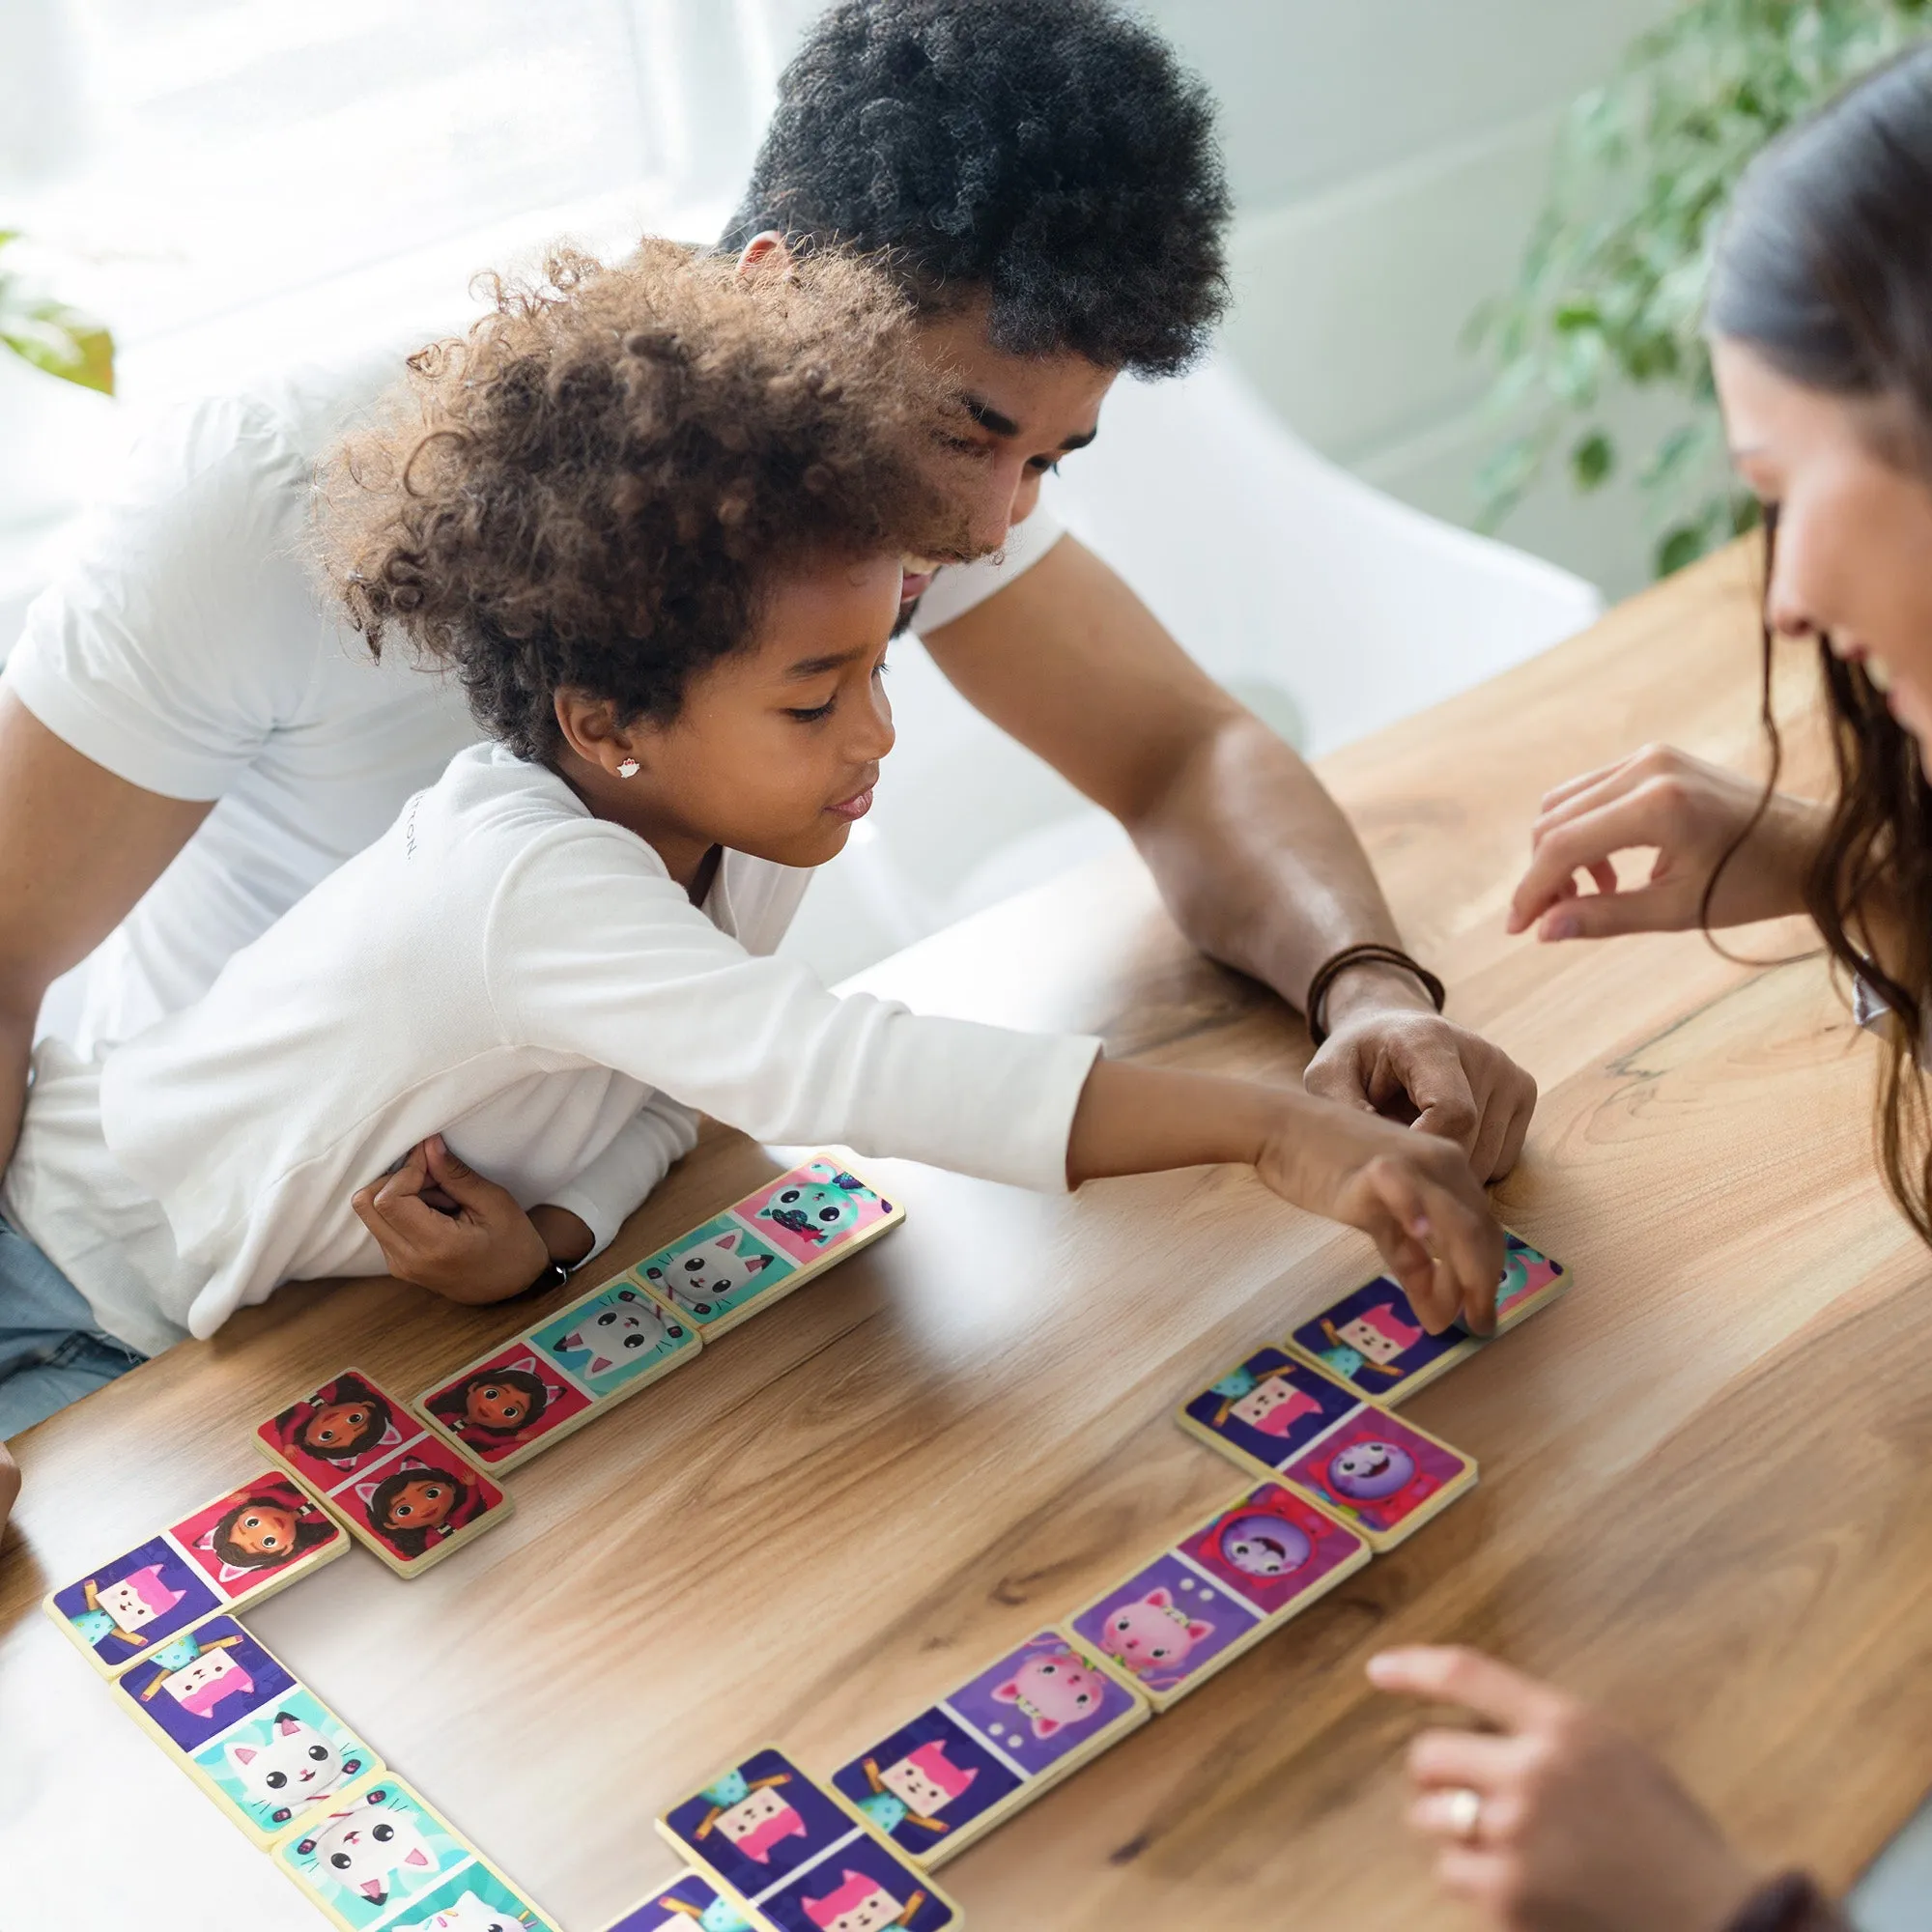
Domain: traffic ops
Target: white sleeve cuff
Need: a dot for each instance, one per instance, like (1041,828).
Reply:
(616,1182)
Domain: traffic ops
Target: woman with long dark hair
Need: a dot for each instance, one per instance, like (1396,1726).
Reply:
(1820,320)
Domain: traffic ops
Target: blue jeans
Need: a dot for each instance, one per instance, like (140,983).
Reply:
(50,1351)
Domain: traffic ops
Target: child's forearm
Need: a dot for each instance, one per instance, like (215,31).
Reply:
(1140,1120)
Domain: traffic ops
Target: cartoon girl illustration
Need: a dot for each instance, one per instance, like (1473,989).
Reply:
(344,1426)
(266,1531)
(494,1403)
(412,1507)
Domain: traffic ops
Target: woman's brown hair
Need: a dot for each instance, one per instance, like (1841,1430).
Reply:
(1825,271)
(596,487)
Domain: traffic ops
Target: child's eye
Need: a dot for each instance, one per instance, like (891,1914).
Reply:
(814,714)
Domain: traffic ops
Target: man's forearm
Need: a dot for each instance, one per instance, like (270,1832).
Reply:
(1263,871)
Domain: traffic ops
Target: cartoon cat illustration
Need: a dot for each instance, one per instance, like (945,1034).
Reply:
(861,1904)
(293,1766)
(1053,1690)
(703,1278)
(1274,1406)
(818,1209)
(755,1822)
(1154,1633)
(120,1609)
(368,1847)
(628,1323)
(201,1684)
(1374,1339)
(919,1786)
(468,1914)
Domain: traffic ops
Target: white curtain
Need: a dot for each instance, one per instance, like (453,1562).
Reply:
(187,161)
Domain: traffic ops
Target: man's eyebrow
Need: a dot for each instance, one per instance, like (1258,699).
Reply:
(989,417)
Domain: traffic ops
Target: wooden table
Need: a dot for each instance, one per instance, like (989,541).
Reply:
(1707,1474)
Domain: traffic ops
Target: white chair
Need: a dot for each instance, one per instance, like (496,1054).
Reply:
(1325,606)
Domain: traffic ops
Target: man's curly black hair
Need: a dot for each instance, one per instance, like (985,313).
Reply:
(1052,155)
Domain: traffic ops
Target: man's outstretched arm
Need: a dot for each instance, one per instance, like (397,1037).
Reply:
(78,846)
(1255,862)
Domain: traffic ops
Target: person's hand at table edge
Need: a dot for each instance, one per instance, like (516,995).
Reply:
(441,1226)
(1691,812)
(1552,1820)
(1389,1052)
(1412,1194)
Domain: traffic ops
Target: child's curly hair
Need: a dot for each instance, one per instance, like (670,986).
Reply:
(594,486)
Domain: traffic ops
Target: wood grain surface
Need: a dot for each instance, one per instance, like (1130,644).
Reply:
(1706,1492)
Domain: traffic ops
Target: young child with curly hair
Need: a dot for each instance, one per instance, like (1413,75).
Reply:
(654,517)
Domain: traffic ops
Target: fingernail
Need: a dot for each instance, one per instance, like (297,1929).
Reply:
(1383,1666)
(1561,926)
(1420,1228)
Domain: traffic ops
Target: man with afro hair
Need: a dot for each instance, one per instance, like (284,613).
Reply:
(1044,179)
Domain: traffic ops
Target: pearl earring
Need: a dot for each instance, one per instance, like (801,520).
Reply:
(629,768)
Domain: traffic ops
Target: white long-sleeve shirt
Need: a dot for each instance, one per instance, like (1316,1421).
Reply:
(505,969)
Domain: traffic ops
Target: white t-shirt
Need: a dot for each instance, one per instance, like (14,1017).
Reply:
(186,647)
(505,969)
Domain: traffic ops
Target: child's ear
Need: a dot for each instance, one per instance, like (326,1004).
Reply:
(590,729)
(766,253)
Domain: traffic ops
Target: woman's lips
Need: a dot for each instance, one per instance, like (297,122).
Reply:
(855,807)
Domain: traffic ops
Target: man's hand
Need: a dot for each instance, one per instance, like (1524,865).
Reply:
(1552,1820)
(1389,1052)
(441,1226)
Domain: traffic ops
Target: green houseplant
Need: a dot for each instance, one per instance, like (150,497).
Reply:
(1612,282)
(51,334)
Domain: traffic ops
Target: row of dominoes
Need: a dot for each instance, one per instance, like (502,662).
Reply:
(771,1848)
(402,1481)
(410,1482)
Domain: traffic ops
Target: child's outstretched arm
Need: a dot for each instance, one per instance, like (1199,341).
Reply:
(1412,1194)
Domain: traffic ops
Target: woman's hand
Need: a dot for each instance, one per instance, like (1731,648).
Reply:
(1575,1827)
(441,1226)
(1411,1193)
(1689,812)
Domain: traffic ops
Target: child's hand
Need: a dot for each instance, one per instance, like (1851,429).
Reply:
(481,1247)
(1414,1195)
